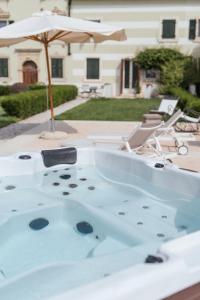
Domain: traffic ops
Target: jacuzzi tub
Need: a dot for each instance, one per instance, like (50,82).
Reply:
(110,225)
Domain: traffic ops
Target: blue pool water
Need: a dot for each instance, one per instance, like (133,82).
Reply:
(128,223)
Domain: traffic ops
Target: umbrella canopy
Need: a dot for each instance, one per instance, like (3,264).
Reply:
(46,27)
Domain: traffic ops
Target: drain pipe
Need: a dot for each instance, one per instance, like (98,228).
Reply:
(69,15)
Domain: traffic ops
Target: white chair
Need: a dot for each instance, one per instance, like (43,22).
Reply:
(100,91)
(167,106)
(85,91)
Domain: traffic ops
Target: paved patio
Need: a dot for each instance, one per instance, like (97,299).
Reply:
(28,124)
(79,130)
(24,136)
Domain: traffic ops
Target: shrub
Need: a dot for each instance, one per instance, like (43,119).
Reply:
(4,90)
(195,104)
(29,103)
(170,62)
(34,87)
(172,73)
(186,100)
(18,87)
(191,72)
(154,58)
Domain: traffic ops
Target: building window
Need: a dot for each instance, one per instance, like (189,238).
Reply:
(198,29)
(3,67)
(92,71)
(57,67)
(151,74)
(169,29)
(192,29)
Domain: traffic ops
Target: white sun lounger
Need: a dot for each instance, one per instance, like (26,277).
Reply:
(164,131)
(168,129)
(142,135)
(167,106)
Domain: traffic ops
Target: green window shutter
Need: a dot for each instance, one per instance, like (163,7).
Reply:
(192,29)
(135,76)
(57,68)
(92,68)
(169,29)
(127,74)
(3,67)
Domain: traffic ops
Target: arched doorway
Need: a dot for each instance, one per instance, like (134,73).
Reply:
(30,72)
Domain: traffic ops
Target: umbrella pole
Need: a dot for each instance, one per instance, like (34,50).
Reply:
(49,86)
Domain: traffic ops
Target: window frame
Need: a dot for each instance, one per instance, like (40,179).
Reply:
(155,71)
(197,30)
(189,29)
(5,77)
(168,40)
(57,78)
(197,33)
(90,79)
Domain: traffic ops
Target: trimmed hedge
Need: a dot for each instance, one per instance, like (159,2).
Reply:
(29,103)
(4,90)
(34,87)
(186,99)
(19,87)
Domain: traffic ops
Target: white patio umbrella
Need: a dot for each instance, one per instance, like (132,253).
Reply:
(45,27)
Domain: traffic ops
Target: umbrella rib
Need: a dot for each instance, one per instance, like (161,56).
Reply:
(87,33)
(64,34)
(55,36)
(61,34)
(33,38)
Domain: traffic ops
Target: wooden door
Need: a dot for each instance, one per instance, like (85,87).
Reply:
(30,72)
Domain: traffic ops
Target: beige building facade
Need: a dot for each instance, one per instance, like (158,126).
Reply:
(109,65)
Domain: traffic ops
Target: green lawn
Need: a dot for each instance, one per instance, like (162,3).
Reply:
(111,110)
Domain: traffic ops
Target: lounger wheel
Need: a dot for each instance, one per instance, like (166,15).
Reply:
(178,144)
(182,150)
